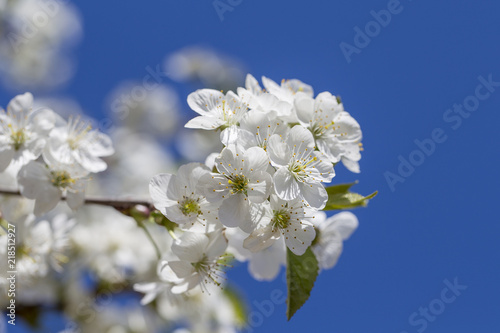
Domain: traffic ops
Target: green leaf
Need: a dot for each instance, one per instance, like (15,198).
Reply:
(301,273)
(339,197)
(340,188)
(240,308)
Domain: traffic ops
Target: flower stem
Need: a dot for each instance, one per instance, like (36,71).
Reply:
(150,237)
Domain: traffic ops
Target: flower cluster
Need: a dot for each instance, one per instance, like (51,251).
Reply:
(51,157)
(264,192)
(259,199)
(37,38)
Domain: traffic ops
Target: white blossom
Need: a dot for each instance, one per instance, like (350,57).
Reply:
(177,197)
(255,130)
(263,265)
(330,233)
(288,89)
(46,184)
(35,55)
(290,219)
(243,180)
(334,130)
(261,100)
(76,142)
(200,261)
(41,246)
(23,131)
(145,107)
(300,169)
(216,109)
(213,69)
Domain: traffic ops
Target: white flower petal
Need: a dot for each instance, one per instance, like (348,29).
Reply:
(6,155)
(21,104)
(331,147)
(188,284)
(158,191)
(278,151)
(315,194)
(204,122)
(48,201)
(256,160)
(213,187)
(43,121)
(181,269)
(235,211)
(229,136)
(217,245)
(266,264)
(285,185)
(259,187)
(328,250)
(304,106)
(89,161)
(204,101)
(347,128)
(252,84)
(227,163)
(34,179)
(351,165)
(299,236)
(300,139)
(190,246)
(261,239)
(75,199)
(345,223)
(101,144)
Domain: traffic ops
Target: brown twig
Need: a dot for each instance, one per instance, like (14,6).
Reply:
(121,205)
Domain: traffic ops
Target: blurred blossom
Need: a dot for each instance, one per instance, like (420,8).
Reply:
(65,107)
(115,318)
(196,145)
(114,247)
(36,37)
(136,160)
(203,312)
(41,248)
(213,69)
(145,108)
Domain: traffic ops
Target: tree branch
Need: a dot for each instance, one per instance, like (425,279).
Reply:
(121,205)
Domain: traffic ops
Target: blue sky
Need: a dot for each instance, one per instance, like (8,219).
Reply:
(440,223)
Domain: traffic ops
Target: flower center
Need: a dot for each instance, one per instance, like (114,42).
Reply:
(318,129)
(281,219)
(189,206)
(298,167)
(238,184)
(18,137)
(211,270)
(61,179)
(77,131)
